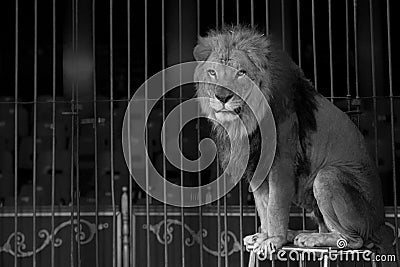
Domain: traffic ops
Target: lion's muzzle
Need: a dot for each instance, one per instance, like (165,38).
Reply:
(223,95)
(225,106)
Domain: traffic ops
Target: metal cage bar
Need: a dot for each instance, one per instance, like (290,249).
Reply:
(131,194)
(252,13)
(330,49)
(298,32)
(314,44)
(298,11)
(392,128)
(146,136)
(131,256)
(267,17)
(225,222)
(225,225)
(74,110)
(240,184)
(16,92)
(182,210)
(373,76)
(112,178)
(199,178)
(283,25)
(53,133)
(77,122)
(95,133)
(35,94)
(355,48)
(223,13)
(164,163)
(348,58)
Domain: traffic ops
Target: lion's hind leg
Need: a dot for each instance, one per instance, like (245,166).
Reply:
(345,212)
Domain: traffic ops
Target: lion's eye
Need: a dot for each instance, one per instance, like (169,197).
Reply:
(212,72)
(240,73)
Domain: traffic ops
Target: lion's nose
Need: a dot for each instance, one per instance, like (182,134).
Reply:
(224,97)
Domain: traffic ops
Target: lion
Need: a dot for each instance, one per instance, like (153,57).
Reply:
(321,161)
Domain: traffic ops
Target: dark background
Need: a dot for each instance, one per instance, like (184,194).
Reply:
(351,87)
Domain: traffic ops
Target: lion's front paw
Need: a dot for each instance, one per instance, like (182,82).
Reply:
(252,241)
(270,245)
(306,240)
(261,244)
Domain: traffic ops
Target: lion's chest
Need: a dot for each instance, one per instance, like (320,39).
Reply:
(304,179)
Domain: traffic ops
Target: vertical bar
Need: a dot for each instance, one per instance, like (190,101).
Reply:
(348,96)
(181,134)
(74,110)
(125,228)
(373,75)
(303,211)
(96,173)
(226,259)
(199,165)
(356,57)
(114,229)
(53,143)
(314,45)
(16,131)
(252,25)
(241,222)
(283,24)
(35,63)
(299,33)
(132,229)
(146,136)
(78,210)
(72,195)
(240,182)
(267,17)
(225,226)
(218,189)
(223,13)
(218,218)
(237,13)
(355,46)
(330,47)
(164,166)
(252,13)
(255,225)
(216,15)
(392,127)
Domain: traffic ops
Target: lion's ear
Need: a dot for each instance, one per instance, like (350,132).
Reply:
(202,51)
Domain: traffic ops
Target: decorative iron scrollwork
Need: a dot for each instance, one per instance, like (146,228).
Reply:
(394,232)
(232,241)
(81,236)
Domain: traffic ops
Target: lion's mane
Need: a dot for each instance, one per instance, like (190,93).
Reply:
(281,82)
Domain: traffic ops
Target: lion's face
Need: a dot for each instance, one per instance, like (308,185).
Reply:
(226,85)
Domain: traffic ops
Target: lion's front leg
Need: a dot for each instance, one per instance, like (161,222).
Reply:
(261,195)
(273,205)
(281,191)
